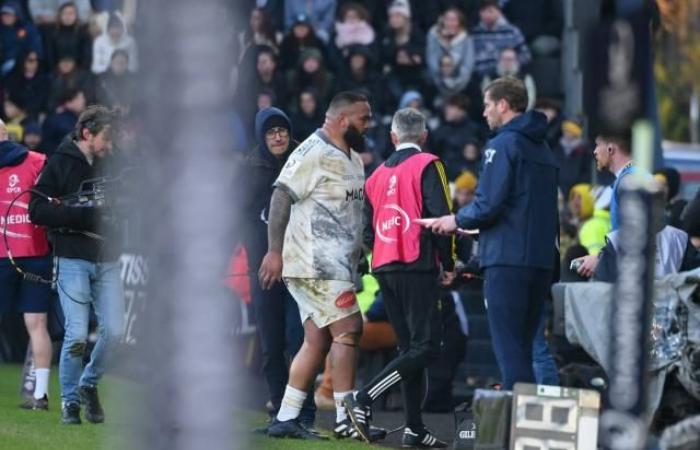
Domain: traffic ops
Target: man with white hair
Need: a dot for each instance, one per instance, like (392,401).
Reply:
(407,260)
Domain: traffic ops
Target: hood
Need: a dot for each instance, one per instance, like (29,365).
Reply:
(308,53)
(531,124)
(408,97)
(116,18)
(69,147)
(13,7)
(364,50)
(260,118)
(11,153)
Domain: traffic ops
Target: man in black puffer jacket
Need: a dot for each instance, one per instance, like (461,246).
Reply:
(277,314)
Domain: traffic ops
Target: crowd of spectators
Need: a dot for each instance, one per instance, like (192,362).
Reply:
(436,56)
(56,57)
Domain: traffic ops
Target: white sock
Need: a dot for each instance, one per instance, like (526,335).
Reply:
(41,387)
(340,413)
(291,404)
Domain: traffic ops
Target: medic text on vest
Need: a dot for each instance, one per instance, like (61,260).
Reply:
(355,194)
(15,219)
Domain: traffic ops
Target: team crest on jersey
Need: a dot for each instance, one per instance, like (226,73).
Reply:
(14,179)
(489,154)
(391,190)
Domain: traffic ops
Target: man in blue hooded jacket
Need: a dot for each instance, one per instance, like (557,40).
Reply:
(515,211)
(277,314)
(17,36)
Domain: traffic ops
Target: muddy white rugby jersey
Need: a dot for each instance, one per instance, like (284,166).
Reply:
(324,236)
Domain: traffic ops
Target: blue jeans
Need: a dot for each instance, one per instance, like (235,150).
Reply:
(82,284)
(543,364)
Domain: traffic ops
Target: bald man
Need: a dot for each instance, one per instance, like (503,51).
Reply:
(314,243)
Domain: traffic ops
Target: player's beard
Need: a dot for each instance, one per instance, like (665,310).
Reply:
(355,139)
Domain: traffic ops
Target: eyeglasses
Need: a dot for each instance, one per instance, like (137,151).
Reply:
(282,132)
(32,59)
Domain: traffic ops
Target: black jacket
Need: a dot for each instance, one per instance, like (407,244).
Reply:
(435,204)
(304,126)
(74,41)
(33,93)
(411,75)
(258,170)
(449,140)
(574,168)
(63,174)
(55,129)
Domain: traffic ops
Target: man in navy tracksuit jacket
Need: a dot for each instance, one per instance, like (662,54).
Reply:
(516,213)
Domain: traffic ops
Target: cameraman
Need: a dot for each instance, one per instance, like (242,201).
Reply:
(88,270)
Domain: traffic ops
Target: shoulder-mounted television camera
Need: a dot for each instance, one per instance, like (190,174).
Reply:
(106,192)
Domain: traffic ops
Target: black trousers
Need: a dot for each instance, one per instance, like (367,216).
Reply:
(411,300)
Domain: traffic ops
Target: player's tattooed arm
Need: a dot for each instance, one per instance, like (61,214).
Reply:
(280,208)
(270,271)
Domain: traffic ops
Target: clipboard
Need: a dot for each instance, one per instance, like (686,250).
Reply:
(427,222)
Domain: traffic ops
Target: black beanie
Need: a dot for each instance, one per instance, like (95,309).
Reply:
(275,122)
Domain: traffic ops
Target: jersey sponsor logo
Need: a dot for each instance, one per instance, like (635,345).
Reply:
(346,300)
(355,194)
(12,183)
(397,218)
(291,162)
(307,145)
(391,190)
(489,154)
